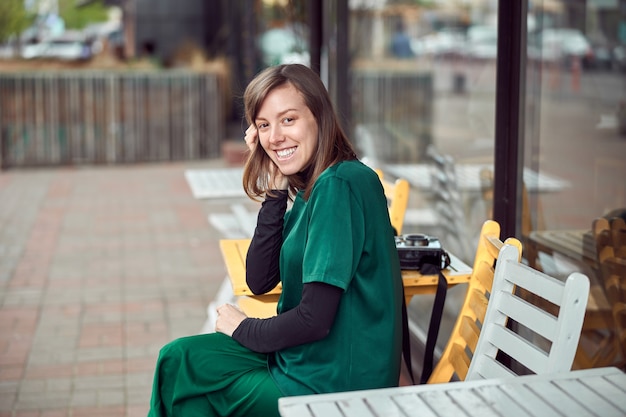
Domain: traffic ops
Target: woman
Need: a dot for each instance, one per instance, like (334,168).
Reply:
(338,324)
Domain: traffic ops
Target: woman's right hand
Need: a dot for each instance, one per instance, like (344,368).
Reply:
(277,180)
(229,318)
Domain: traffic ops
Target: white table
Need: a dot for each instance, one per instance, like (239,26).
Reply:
(468,177)
(593,392)
(227,182)
(215,183)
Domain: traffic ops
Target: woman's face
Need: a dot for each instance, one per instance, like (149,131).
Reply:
(287,129)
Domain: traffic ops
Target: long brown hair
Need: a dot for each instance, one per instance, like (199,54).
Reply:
(333,144)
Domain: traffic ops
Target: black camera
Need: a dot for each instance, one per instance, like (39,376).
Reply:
(415,250)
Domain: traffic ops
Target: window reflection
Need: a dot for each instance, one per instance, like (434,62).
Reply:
(441,95)
(576,90)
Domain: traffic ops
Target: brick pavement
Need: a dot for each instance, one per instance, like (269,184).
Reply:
(99,267)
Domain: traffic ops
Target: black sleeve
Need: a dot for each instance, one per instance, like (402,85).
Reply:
(311,320)
(262,273)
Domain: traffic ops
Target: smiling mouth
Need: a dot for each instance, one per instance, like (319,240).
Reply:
(285,153)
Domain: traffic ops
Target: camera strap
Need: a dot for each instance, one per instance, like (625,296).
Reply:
(406,341)
(435,319)
(433,327)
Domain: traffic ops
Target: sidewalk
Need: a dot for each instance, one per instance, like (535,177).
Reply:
(99,267)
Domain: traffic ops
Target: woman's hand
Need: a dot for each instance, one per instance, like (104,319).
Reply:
(277,180)
(251,137)
(229,318)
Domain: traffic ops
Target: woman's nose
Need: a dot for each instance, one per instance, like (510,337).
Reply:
(276,135)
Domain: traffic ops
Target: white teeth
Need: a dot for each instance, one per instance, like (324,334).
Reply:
(284,153)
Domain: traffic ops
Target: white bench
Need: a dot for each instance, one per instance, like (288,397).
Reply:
(240,223)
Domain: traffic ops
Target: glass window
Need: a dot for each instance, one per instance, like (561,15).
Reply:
(575,137)
(423,84)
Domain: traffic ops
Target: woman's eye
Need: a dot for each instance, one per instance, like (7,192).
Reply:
(261,125)
(288,120)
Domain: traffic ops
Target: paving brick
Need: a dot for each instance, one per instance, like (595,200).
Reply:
(101,266)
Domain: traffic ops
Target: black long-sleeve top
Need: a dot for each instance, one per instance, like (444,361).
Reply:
(312,319)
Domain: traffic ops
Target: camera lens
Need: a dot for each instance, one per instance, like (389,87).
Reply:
(416,240)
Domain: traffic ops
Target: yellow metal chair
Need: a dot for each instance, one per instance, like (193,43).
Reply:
(397,194)
(455,360)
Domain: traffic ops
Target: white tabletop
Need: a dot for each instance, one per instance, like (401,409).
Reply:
(592,392)
(227,182)
(468,177)
(215,183)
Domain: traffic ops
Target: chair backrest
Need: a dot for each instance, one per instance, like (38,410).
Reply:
(486,189)
(531,338)
(455,359)
(448,202)
(397,194)
(610,240)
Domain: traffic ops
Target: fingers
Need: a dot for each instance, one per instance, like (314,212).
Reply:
(278,181)
(222,309)
(251,137)
(226,308)
(229,317)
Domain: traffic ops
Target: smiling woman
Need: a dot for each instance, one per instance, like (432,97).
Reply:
(287,129)
(333,252)
(309,111)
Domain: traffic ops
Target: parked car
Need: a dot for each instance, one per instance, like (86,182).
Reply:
(482,42)
(602,56)
(618,55)
(444,43)
(565,45)
(608,54)
(65,47)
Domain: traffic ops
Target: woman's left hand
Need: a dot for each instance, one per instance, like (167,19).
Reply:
(229,318)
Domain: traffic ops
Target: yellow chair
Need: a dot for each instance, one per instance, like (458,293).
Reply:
(397,194)
(257,307)
(455,360)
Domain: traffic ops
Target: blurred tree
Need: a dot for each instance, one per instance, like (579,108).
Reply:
(13,18)
(79,17)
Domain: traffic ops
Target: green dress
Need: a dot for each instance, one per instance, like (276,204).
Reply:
(349,245)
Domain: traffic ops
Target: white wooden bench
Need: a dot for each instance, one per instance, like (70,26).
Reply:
(238,224)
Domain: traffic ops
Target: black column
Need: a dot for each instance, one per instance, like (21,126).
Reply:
(315,34)
(512,17)
(343,65)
